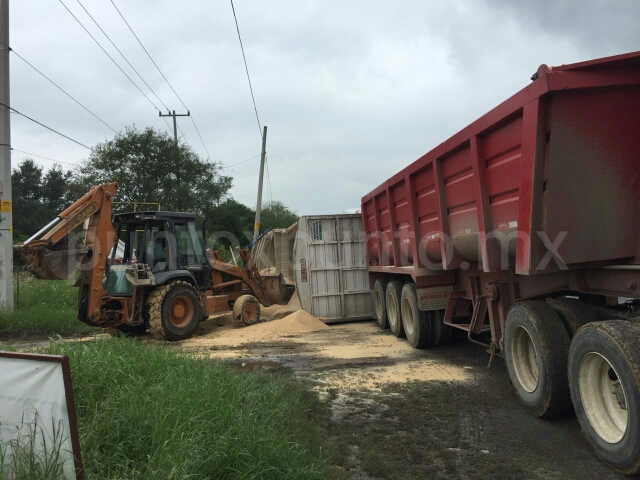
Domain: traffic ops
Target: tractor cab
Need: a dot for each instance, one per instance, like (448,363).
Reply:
(167,243)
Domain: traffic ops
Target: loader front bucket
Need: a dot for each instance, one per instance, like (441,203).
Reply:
(276,290)
(46,264)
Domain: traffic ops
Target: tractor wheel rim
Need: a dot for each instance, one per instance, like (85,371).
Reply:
(392,311)
(378,301)
(603,397)
(407,316)
(249,312)
(525,359)
(180,311)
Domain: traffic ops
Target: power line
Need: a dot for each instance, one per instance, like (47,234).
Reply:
(246,68)
(122,54)
(45,126)
(107,54)
(224,167)
(253,98)
(163,76)
(268,178)
(58,87)
(46,158)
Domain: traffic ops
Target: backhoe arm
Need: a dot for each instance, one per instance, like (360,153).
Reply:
(56,251)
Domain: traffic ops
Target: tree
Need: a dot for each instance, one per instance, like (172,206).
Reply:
(37,198)
(277,215)
(230,217)
(149,168)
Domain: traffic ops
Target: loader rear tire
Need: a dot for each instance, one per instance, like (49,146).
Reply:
(379,303)
(246,310)
(173,311)
(604,376)
(536,353)
(392,301)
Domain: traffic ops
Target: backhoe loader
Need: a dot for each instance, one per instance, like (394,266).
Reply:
(151,271)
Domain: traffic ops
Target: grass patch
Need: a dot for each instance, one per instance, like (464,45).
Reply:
(46,306)
(147,412)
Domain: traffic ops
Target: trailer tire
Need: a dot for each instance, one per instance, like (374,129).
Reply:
(173,311)
(441,332)
(379,302)
(394,314)
(418,326)
(246,310)
(574,314)
(604,377)
(536,352)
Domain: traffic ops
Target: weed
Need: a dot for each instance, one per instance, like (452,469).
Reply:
(31,454)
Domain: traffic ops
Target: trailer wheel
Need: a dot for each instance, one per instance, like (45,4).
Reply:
(604,376)
(573,313)
(246,310)
(441,332)
(418,326)
(379,302)
(173,310)
(394,314)
(536,351)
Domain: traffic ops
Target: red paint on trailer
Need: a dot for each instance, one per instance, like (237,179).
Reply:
(561,155)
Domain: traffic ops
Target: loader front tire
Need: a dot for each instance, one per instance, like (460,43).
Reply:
(246,310)
(173,310)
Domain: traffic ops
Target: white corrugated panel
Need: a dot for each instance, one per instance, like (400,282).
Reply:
(331,276)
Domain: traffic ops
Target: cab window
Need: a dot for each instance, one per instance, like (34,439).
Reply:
(186,249)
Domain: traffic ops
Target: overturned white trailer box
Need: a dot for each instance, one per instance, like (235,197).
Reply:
(324,255)
(329,265)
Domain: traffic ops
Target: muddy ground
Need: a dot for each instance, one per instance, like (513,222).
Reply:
(400,413)
(393,412)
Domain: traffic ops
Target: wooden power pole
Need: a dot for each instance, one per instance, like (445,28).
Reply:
(256,226)
(6,228)
(176,167)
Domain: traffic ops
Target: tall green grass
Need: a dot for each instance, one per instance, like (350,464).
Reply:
(49,306)
(146,412)
(32,454)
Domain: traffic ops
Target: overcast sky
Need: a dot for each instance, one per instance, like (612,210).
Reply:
(352,91)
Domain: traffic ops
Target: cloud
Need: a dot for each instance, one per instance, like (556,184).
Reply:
(351,91)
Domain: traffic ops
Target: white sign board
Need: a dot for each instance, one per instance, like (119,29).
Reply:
(36,408)
(433,298)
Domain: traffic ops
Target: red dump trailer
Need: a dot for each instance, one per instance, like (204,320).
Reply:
(523,230)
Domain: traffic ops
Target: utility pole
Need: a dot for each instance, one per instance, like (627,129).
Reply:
(175,140)
(6,225)
(256,226)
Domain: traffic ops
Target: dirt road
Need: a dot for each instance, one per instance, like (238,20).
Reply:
(394,412)
(397,412)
